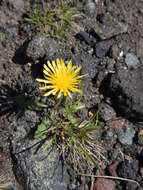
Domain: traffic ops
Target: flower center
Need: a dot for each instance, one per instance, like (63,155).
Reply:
(64,81)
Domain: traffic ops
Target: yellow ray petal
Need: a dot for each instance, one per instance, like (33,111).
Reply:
(45,87)
(59,94)
(45,67)
(46,72)
(58,61)
(51,67)
(78,69)
(50,92)
(54,64)
(69,94)
(42,80)
(69,65)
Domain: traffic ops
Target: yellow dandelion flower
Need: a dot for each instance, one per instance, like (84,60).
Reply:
(60,78)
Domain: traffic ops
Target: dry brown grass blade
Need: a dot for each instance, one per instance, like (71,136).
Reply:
(92,183)
(110,177)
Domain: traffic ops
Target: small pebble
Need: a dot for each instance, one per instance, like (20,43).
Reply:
(106,112)
(84,36)
(140,137)
(113,167)
(102,18)
(102,48)
(90,7)
(102,184)
(116,124)
(109,135)
(131,60)
(126,135)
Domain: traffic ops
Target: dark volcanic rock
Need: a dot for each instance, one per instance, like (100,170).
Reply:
(84,36)
(125,89)
(128,169)
(131,186)
(102,48)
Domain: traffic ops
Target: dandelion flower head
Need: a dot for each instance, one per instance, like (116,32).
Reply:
(60,79)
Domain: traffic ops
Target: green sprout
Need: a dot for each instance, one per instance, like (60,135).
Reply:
(73,137)
(52,22)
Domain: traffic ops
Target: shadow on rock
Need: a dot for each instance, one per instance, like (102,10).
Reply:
(15,100)
(125,89)
(20,56)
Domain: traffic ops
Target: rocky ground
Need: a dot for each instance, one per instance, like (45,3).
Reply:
(107,41)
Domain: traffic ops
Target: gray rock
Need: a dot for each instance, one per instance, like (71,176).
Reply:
(89,67)
(102,48)
(37,169)
(106,112)
(111,28)
(140,137)
(126,135)
(125,89)
(24,124)
(39,47)
(114,51)
(109,136)
(88,62)
(90,7)
(140,140)
(131,60)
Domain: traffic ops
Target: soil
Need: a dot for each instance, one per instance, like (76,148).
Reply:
(100,40)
